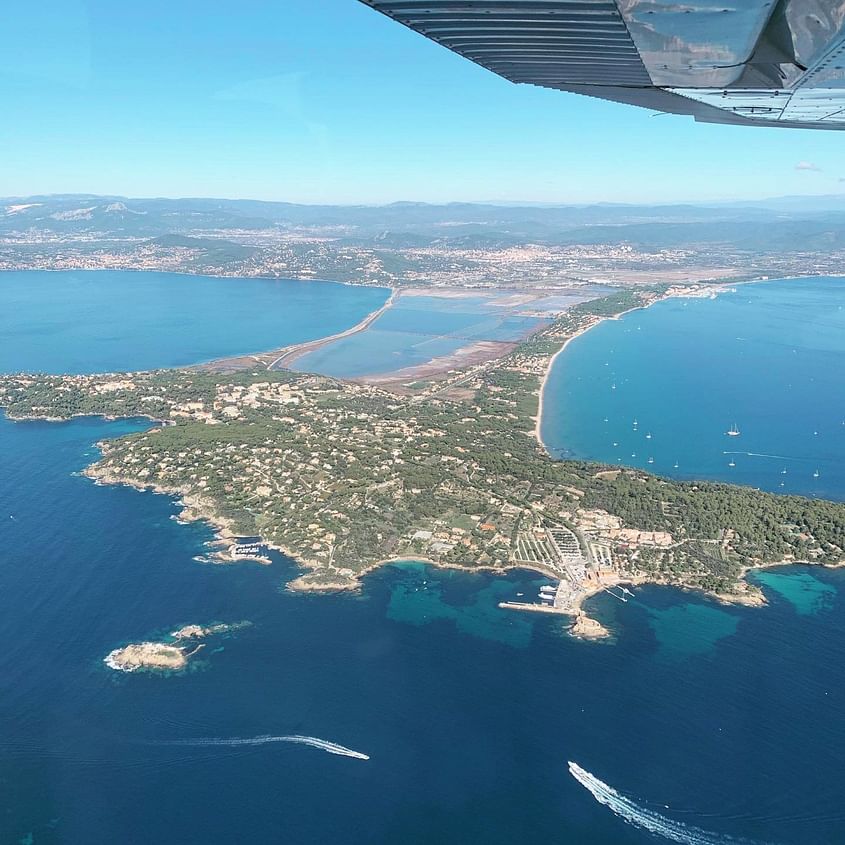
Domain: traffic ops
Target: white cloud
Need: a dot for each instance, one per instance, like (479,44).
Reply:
(808,165)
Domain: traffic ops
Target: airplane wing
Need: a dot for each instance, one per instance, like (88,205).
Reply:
(751,62)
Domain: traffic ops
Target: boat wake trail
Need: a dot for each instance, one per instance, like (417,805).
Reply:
(266,739)
(647,819)
(765,455)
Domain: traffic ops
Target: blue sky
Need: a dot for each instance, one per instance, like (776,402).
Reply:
(328,101)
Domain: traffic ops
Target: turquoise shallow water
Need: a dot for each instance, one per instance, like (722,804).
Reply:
(686,630)
(723,719)
(806,593)
(769,358)
(418,599)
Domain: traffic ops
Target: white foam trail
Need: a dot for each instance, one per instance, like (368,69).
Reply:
(313,741)
(764,455)
(647,819)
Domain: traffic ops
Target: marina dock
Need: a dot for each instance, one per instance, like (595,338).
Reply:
(552,600)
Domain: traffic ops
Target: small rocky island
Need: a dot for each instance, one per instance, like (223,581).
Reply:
(169,655)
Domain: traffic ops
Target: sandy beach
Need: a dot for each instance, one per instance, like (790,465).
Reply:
(590,325)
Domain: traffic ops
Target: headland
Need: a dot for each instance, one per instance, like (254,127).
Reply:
(341,476)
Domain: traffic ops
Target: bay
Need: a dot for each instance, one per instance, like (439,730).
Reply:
(115,320)
(768,358)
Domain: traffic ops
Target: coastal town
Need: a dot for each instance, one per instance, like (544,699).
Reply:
(254,255)
(343,476)
(472,246)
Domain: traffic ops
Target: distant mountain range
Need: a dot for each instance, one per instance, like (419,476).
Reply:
(778,224)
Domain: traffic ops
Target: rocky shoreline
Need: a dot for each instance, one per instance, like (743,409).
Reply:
(165,655)
(583,626)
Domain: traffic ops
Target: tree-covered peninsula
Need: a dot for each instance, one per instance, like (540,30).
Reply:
(342,475)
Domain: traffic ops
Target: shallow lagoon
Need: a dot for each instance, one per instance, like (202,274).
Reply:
(414,331)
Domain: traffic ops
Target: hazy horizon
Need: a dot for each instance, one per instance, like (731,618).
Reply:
(527,203)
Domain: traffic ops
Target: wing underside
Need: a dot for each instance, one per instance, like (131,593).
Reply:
(751,62)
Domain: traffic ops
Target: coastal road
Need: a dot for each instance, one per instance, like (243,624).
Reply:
(289,354)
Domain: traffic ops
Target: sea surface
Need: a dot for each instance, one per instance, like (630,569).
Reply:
(768,359)
(698,724)
(104,320)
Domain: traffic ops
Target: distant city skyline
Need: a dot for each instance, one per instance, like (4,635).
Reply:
(330,102)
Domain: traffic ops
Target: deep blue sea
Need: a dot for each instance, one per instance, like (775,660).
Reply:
(768,359)
(711,723)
